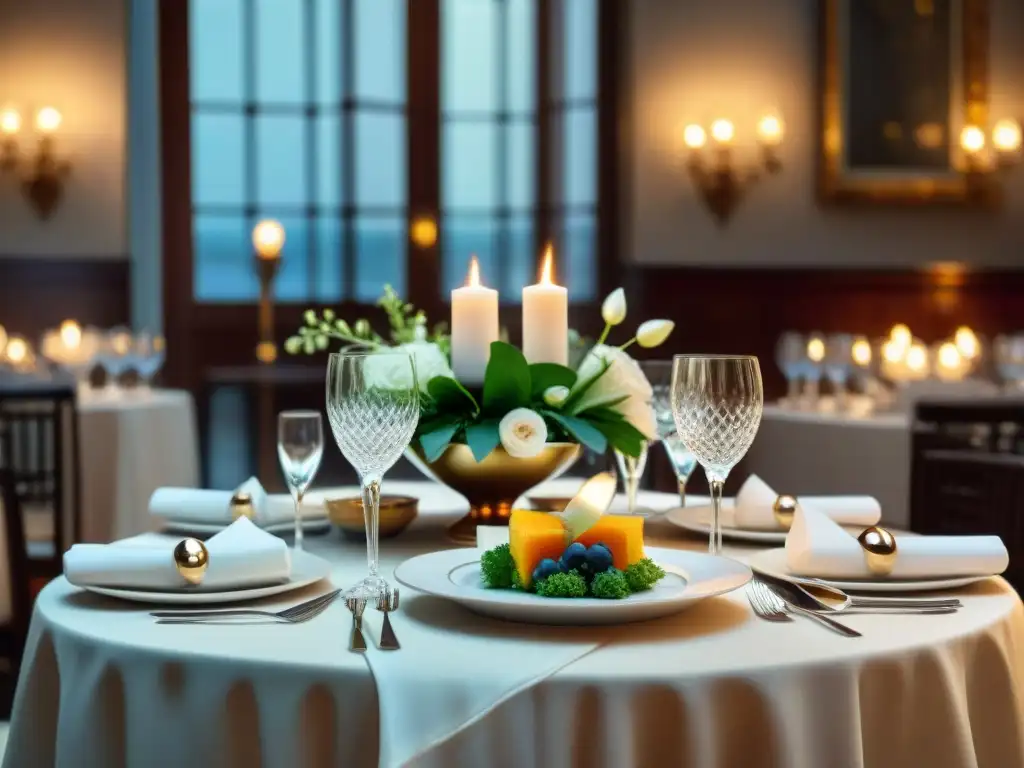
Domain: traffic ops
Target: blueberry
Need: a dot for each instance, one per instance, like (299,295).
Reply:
(599,558)
(545,568)
(575,556)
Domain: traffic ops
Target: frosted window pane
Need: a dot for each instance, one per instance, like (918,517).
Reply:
(280,51)
(222,259)
(380,159)
(469,165)
(580,48)
(380,256)
(520,56)
(217,159)
(579,254)
(328,159)
(215,43)
(280,160)
(521,164)
(520,269)
(292,281)
(580,142)
(328,259)
(469,48)
(463,237)
(380,49)
(329,77)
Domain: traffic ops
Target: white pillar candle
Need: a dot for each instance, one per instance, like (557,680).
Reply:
(474,327)
(546,318)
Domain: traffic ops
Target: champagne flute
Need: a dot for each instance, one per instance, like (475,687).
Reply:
(300,447)
(717,402)
(631,468)
(659,374)
(373,408)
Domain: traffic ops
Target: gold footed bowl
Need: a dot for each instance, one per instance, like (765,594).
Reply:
(492,485)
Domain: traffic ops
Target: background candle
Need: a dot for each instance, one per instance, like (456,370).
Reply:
(546,318)
(474,327)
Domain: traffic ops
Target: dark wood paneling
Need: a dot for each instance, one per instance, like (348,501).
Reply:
(743,311)
(37,293)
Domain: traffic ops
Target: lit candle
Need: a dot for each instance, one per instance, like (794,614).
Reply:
(972,139)
(966,342)
(70,335)
(474,327)
(546,317)
(949,363)
(917,361)
(1006,136)
(861,352)
(17,351)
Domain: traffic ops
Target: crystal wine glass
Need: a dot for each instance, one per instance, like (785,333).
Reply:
(115,356)
(837,364)
(717,402)
(373,408)
(791,356)
(659,374)
(631,468)
(300,447)
(149,356)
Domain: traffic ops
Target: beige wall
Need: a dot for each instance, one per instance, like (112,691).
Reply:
(69,54)
(694,60)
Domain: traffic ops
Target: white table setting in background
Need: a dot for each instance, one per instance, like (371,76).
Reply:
(941,690)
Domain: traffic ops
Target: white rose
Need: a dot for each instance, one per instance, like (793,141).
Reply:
(390,371)
(523,433)
(623,378)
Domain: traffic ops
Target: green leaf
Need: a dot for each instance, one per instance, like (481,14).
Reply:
(583,431)
(506,380)
(622,436)
(435,442)
(451,396)
(581,389)
(482,438)
(543,376)
(605,410)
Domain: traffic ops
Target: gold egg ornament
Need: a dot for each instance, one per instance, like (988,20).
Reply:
(191,560)
(784,508)
(879,550)
(241,506)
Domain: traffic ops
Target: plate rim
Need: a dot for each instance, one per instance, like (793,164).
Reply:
(245,595)
(879,585)
(737,534)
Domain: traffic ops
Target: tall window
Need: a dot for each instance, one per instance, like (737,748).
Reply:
(298,114)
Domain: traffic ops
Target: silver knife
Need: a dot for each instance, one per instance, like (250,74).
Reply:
(357,642)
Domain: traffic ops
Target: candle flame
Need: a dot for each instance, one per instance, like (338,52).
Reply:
(547,269)
(473,276)
(70,334)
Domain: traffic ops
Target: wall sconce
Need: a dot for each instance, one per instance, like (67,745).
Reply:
(1006,143)
(268,240)
(42,176)
(722,185)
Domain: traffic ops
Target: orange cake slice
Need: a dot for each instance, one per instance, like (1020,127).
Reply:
(533,536)
(624,536)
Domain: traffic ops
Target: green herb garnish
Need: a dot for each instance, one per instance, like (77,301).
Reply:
(643,574)
(610,585)
(569,584)
(497,568)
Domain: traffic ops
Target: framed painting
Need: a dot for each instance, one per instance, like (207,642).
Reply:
(900,80)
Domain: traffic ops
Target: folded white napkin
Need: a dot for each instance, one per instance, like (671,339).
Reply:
(816,546)
(241,555)
(197,505)
(754,501)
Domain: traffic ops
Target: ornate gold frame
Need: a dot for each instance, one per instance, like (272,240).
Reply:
(837,184)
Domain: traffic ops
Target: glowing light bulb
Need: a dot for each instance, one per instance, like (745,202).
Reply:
(949,355)
(966,342)
(893,352)
(268,239)
(10,122)
(901,336)
(770,130)
(70,334)
(1006,136)
(48,120)
(694,136)
(17,350)
(917,358)
(861,352)
(972,139)
(424,232)
(815,350)
(722,131)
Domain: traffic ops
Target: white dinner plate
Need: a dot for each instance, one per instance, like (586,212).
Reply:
(306,569)
(310,525)
(773,563)
(454,574)
(696,520)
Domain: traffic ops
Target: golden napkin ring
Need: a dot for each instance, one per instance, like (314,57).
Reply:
(191,560)
(784,508)
(879,550)
(241,506)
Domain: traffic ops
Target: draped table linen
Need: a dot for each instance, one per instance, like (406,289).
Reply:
(713,686)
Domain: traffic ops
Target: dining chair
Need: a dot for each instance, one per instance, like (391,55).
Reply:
(40,450)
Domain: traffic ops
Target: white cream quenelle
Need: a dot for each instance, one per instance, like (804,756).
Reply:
(200,505)
(753,507)
(816,546)
(586,507)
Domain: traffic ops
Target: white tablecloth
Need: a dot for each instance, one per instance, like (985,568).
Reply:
(825,453)
(132,444)
(102,685)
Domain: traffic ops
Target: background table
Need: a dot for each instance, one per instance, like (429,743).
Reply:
(825,453)
(132,444)
(103,685)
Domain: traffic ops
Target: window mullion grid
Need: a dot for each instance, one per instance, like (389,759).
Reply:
(249,175)
(501,220)
(312,136)
(348,153)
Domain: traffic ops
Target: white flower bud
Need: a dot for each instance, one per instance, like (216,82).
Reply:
(613,310)
(653,332)
(555,396)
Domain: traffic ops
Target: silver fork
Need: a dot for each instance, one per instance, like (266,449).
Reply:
(771,606)
(357,605)
(387,602)
(293,615)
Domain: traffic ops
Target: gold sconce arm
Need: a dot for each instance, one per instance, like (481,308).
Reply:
(722,186)
(43,174)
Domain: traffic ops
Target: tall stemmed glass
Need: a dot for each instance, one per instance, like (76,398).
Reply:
(373,408)
(659,374)
(717,402)
(300,447)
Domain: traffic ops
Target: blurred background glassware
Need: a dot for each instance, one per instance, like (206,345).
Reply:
(659,374)
(115,357)
(791,357)
(300,447)
(837,366)
(815,351)
(1008,355)
(631,470)
(149,351)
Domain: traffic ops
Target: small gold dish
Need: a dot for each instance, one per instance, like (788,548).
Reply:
(396,512)
(549,503)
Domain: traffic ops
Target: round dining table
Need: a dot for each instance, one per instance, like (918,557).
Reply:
(102,684)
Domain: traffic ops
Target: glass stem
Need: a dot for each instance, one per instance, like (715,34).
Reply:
(298,520)
(682,491)
(716,485)
(792,391)
(632,484)
(371,517)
